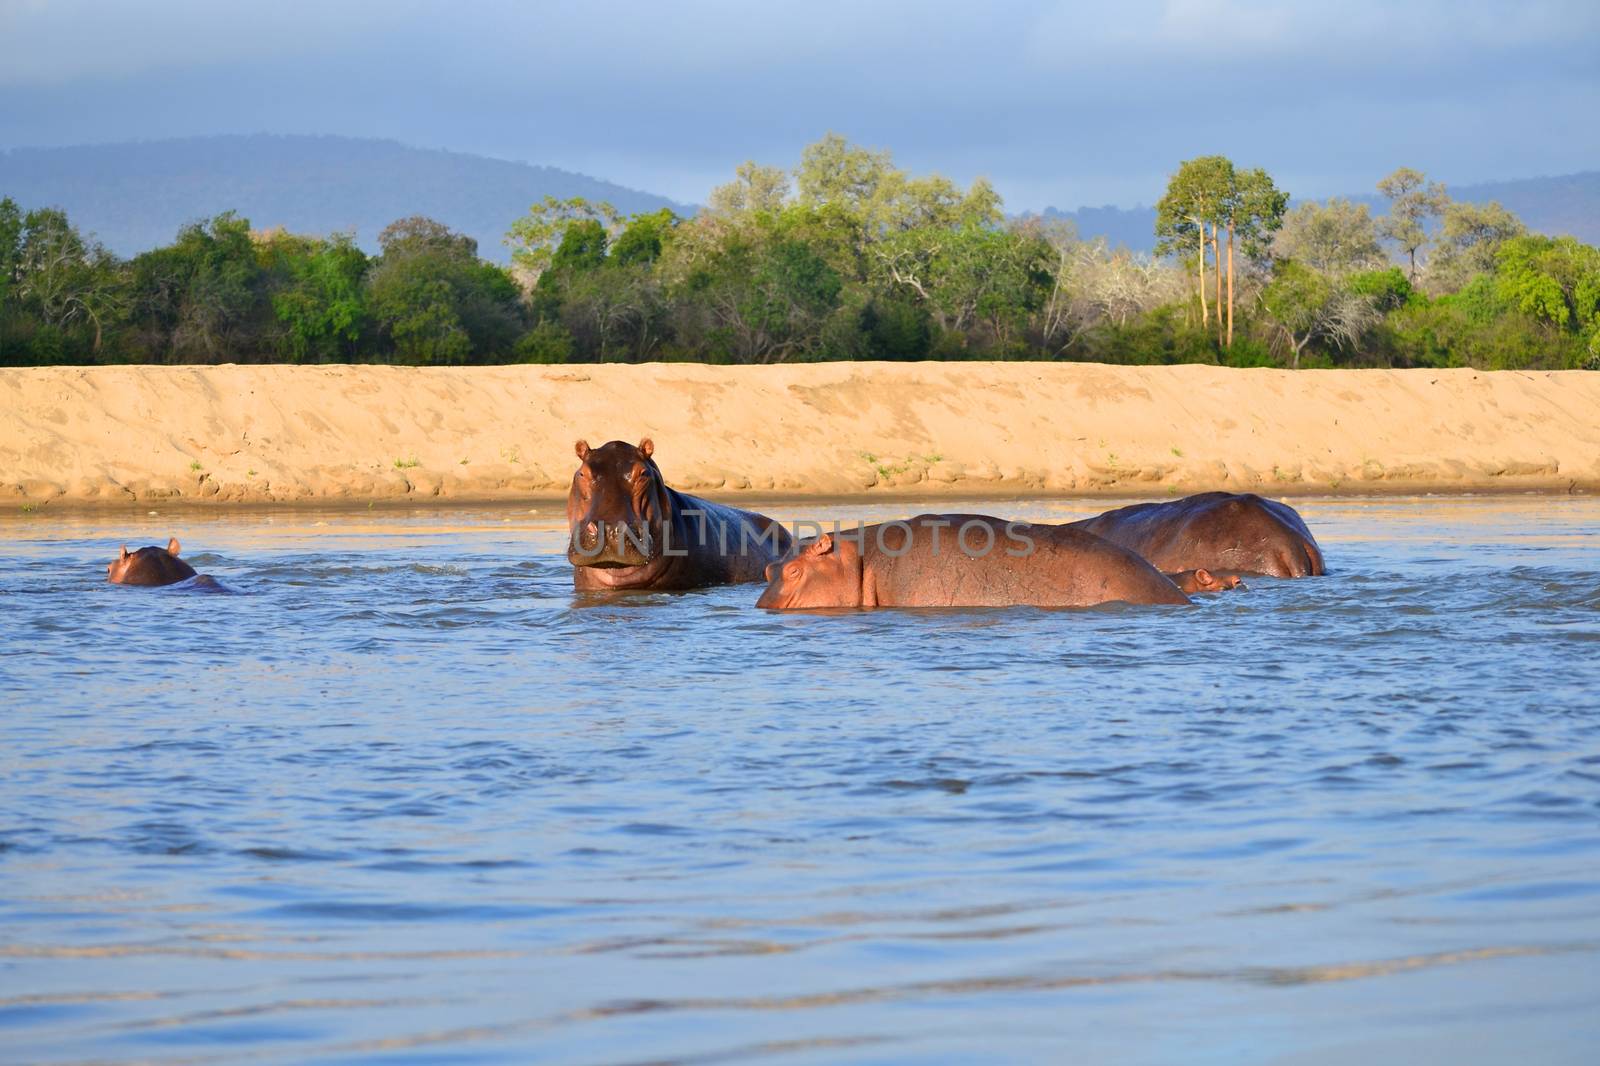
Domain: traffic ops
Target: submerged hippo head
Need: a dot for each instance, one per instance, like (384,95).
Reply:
(149,566)
(826,573)
(618,507)
(1203,580)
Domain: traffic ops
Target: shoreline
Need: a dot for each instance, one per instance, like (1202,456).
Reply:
(350,437)
(753,500)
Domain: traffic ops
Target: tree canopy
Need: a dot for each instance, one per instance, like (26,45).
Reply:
(846,256)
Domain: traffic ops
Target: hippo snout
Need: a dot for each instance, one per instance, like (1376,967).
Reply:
(604,544)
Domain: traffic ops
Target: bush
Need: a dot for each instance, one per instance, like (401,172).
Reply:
(545,343)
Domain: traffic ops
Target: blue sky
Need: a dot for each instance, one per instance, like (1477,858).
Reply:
(1057,103)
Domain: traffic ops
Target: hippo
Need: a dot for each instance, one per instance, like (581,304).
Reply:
(963,561)
(1202,580)
(628,530)
(1222,532)
(150,566)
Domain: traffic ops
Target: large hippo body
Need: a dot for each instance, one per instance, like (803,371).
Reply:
(1219,531)
(964,561)
(150,566)
(629,530)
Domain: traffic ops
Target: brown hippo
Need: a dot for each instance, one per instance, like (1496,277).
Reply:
(963,561)
(1203,580)
(1223,532)
(628,530)
(149,566)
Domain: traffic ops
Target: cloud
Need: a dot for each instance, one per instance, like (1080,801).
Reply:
(1057,102)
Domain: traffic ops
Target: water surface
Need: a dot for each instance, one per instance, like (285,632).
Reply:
(402,799)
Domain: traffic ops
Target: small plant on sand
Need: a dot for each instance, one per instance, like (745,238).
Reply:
(251,472)
(1177,451)
(884,470)
(196,466)
(933,457)
(463,462)
(510,455)
(29,508)
(407,464)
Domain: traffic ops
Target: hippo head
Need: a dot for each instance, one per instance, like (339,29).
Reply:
(826,573)
(149,566)
(618,508)
(1203,580)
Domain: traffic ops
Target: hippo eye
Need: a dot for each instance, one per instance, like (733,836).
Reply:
(791,571)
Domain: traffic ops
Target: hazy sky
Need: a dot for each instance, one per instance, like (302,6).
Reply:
(1057,103)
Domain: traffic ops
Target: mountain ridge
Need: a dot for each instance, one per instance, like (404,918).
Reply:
(135,195)
(306,183)
(1559,204)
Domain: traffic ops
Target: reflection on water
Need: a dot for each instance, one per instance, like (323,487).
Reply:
(403,799)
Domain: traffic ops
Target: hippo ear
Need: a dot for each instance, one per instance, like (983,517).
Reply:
(1203,578)
(821,546)
(647,447)
(582,448)
(173,547)
(124,554)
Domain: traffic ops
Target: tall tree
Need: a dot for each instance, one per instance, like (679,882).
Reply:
(1413,200)
(1196,198)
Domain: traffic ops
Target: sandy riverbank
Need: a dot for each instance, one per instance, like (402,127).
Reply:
(350,434)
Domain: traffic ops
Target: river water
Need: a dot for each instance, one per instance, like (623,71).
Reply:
(402,799)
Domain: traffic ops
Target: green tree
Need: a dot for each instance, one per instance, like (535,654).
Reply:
(1413,200)
(63,280)
(1336,238)
(753,190)
(1555,279)
(204,297)
(535,238)
(1305,306)
(619,312)
(1196,197)
(320,303)
(10,249)
(436,301)
(1211,192)
(1470,237)
(970,276)
(644,237)
(1389,288)
(1254,211)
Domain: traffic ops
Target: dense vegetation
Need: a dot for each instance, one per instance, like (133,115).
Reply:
(847,257)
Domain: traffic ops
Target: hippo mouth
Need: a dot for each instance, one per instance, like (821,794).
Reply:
(604,546)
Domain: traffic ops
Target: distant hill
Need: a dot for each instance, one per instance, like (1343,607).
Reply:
(1563,205)
(135,196)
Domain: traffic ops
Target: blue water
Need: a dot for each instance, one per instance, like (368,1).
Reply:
(401,799)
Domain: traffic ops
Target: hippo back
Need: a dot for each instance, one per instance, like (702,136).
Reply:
(979,561)
(1217,531)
